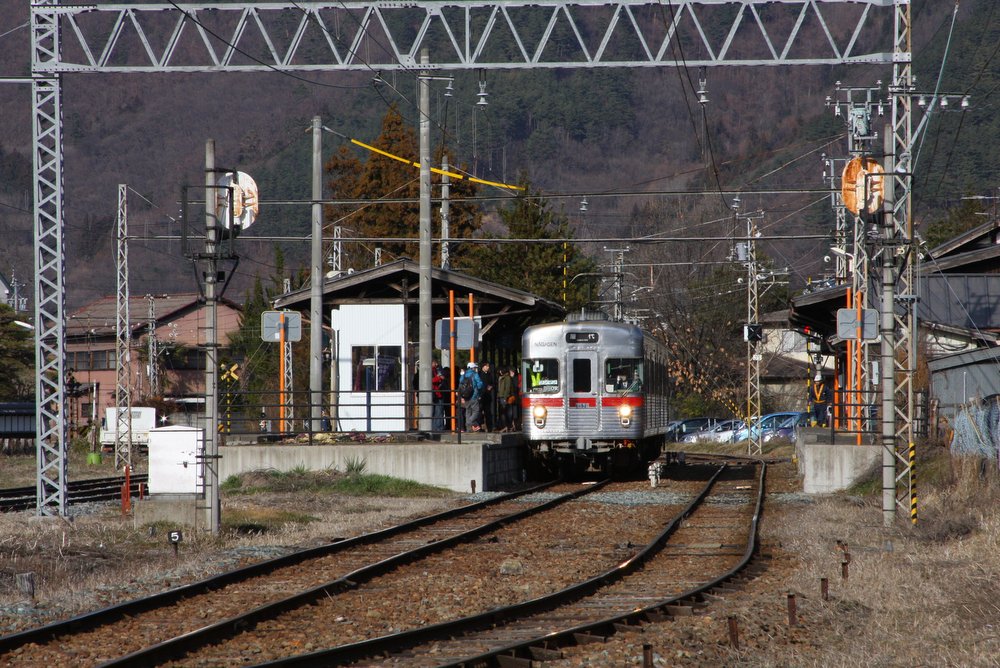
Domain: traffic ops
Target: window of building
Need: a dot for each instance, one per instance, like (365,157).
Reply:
(377,368)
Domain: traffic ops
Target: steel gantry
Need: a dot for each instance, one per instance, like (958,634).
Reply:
(345,36)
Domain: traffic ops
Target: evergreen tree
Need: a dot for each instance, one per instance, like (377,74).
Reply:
(259,361)
(957,221)
(17,358)
(545,268)
(378,176)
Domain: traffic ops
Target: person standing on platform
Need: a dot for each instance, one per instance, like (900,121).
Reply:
(438,398)
(470,390)
(819,397)
(488,399)
(507,394)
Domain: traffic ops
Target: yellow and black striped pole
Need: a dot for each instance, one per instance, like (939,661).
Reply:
(913,483)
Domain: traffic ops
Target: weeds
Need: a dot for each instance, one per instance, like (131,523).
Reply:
(381,485)
(355,465)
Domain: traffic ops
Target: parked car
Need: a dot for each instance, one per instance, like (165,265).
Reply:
(765,425)
(689,426)
(720,433)
(789,428)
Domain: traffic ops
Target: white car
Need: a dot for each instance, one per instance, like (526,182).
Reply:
(720,433)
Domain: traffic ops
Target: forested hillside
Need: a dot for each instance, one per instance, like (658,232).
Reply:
(629,142)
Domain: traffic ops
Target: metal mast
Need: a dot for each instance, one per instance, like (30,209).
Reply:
(861,145)
(900,260)
(746,253)
(123,332)
(288,398)
(152,349)
(50,290)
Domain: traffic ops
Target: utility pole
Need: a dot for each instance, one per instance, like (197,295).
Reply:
(152,349)
(211,277)
(445,209)
(316,283)
(123,338)
(426,312)
(753,334)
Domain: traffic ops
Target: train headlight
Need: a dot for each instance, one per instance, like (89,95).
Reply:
(539,413)
(625,414)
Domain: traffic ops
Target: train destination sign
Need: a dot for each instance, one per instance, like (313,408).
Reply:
(582,337)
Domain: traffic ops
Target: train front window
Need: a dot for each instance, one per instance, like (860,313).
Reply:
(623,374)
(541,376)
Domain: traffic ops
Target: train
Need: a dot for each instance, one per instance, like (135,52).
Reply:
(594,395)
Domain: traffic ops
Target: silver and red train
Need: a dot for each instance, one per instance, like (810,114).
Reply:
(594,394)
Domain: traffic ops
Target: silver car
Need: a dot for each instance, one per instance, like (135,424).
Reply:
(720,433)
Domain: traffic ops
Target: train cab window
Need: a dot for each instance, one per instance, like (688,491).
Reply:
(581,374)
(541,375)
(623,374)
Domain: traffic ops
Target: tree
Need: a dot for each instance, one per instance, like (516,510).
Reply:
(377,176)
(258,361)
(959,219)
(545,268)
(17,358)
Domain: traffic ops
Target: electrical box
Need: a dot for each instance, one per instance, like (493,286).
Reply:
(173,460)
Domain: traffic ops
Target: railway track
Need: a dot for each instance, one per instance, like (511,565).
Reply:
(79,491)
(704,547)
(153,629)
(254,615)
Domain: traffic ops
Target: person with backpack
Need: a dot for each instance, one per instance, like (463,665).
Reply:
(470,389)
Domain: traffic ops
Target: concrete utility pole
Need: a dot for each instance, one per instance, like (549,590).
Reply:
(445,222)
(316,282)
(426,312)
(211,449)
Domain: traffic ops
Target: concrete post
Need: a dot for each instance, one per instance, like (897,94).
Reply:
(426,313)
(316,282)
(211,451)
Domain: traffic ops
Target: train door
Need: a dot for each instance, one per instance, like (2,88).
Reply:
(582,410)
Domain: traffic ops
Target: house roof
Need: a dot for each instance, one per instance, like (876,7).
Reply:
(99,318)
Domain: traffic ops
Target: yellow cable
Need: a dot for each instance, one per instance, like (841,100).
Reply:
(434,169)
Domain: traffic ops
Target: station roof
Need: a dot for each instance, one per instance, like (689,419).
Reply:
(499,306)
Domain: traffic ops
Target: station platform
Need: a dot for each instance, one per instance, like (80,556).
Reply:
(482,462)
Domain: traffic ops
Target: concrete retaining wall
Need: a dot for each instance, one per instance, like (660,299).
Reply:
(443,464)
(827,467)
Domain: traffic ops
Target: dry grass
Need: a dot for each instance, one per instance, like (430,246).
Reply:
(924,595)
(92,560)
(906,602)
